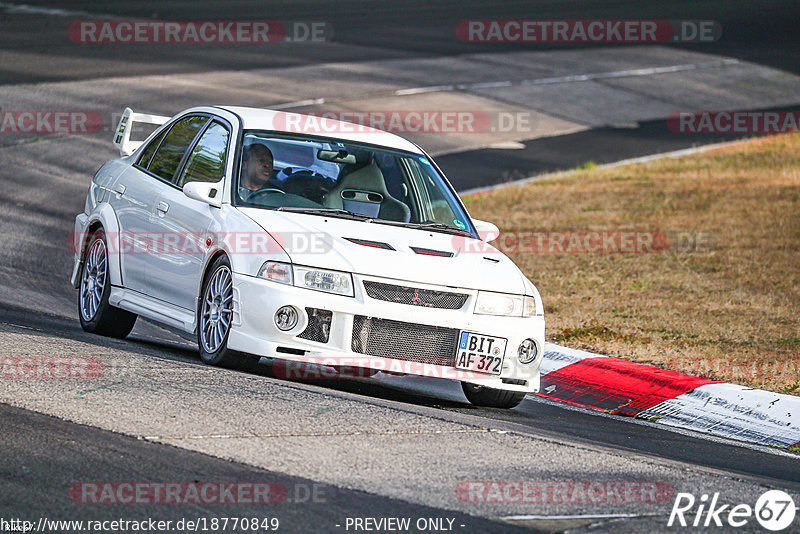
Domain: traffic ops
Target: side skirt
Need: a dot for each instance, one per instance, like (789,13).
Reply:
(152,308)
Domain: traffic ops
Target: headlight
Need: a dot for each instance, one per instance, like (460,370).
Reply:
(324,280)
(337,282)
(276,271)
(489,303)
(498,304)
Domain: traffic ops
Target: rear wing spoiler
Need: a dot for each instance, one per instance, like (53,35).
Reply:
(122,137)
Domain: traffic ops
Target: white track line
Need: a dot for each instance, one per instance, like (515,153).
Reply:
(567,517)
(25,9)
(299,103)
(650,71)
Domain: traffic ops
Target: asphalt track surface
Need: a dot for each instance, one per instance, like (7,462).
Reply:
(541,416)
(763,32)
(45,456)
(41,487)
(90,433)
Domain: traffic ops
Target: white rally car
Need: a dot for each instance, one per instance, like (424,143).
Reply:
(338,245)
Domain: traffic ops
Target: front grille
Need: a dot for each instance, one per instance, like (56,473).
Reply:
(319,325)
(416,297)
(404,341)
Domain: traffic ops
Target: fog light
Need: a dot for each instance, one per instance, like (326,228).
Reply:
(527,351)
(286,318)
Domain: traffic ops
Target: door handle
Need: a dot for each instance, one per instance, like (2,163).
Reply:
(119,190)
(162,207)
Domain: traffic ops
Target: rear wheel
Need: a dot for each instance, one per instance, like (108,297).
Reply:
(96,314)
(491,397)
(214,317)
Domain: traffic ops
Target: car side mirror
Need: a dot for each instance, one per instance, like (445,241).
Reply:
(486,230)
(208,192)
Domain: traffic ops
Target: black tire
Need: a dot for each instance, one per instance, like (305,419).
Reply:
(220,355)
(491,397)
(100,317)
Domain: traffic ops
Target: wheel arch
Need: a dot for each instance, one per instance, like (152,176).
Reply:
(104,218)
(210,259)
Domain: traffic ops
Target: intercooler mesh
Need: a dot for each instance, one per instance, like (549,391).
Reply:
(404,341)
(319,325)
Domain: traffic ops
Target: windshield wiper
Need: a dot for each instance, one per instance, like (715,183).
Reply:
(442,227)
(337,212)
(333,212)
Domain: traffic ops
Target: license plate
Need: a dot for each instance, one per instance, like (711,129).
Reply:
(479,353)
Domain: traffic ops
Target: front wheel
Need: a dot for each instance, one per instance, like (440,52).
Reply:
(491,397)
(97,315)
(214,317)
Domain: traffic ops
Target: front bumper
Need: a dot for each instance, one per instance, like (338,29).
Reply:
(256,301)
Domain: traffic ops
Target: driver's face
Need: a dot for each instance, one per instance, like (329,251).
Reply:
(258,169)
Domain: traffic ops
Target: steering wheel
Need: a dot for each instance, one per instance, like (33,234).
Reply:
(264,191)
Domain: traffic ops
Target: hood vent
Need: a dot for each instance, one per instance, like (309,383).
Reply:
(431,252)
(368,243)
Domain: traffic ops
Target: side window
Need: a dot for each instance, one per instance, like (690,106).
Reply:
(149,150)
(166,160)
(435,204)
(207,161)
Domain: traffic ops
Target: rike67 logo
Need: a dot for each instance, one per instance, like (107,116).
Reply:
(774,510)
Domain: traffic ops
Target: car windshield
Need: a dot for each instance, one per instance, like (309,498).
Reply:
(359,181)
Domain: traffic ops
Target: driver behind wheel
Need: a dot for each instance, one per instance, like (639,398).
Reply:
(256,169)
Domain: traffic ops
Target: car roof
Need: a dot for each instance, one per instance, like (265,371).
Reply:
(299,123)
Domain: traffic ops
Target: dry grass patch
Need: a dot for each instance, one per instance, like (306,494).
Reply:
(722,301)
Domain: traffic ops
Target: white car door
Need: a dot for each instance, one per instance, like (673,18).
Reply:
(175,274)
(132,195)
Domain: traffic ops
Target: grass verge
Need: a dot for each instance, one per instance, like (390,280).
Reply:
(717,292)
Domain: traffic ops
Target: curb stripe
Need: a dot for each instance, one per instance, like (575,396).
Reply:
(616,386)
(674,399)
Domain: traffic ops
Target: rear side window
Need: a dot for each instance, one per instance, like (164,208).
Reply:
(150,149)
(206,163)
(169,155)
